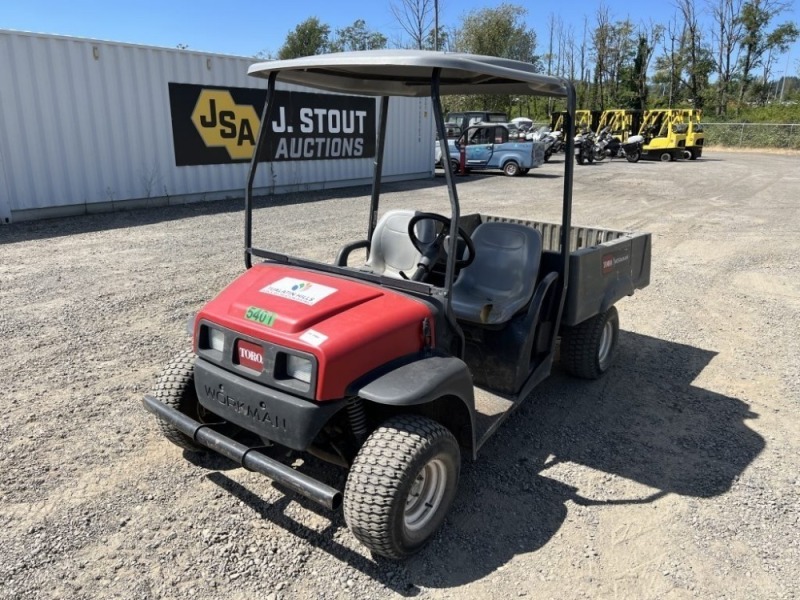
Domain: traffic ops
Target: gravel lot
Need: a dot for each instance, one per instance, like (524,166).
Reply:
(674,476)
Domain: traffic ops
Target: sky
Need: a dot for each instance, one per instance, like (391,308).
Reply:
(246,28)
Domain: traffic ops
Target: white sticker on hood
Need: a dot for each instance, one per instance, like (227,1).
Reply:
(298,290)
(315,338)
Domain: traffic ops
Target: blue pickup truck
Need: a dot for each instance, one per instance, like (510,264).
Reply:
(493,146)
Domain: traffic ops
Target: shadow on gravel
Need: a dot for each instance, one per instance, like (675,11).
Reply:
(390,574)
(126,218)
(537,175)
(644,421)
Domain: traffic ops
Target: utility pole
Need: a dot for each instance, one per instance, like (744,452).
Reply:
(785,73)
(436,25)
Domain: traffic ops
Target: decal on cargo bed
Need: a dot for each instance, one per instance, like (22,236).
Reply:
(298,290)
(315,338)
(610,261)
(216,125)
(259,315)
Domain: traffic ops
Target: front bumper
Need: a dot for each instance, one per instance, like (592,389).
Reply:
(247,457)
(269,413)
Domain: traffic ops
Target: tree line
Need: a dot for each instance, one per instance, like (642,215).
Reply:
(717,55)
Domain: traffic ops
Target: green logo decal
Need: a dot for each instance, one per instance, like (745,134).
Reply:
(260,316)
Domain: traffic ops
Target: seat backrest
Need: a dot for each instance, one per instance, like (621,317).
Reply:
(501,280)
(391,250)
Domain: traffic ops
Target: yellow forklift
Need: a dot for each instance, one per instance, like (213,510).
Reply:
(695,137)
(619,121)
(664,133)
(583,119)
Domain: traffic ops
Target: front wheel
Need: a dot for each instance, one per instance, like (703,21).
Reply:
(633,156)
(511,168)
(175,388)
(579,158)
(455,166)
(401,485)
(589,348)
(599,154)
(666,157)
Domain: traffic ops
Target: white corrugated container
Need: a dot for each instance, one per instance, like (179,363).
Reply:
(85,126)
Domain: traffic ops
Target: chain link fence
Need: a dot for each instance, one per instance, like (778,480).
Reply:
(753,135)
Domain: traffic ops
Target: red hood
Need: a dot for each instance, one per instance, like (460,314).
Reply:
(350,326)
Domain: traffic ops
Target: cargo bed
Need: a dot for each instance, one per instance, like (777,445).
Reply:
(604,265)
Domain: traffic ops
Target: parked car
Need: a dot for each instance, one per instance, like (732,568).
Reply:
(493,146)
(457,122)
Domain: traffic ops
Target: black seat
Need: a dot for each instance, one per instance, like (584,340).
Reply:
(501,280)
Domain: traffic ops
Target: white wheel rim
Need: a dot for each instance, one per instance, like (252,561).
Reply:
(426,495)
(606,342)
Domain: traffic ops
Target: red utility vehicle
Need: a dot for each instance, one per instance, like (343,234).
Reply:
(395,367)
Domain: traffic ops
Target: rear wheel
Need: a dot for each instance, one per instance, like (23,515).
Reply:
(579,158)
(633,156)
(511,168)
(599,154)
(589,348)
(455,166)
(401,485)
(175,388)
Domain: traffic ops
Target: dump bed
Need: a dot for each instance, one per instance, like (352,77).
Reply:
(604,266)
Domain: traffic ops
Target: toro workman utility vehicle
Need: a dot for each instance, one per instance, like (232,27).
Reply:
(395,368)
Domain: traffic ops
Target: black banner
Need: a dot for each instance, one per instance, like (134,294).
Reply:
(218,125)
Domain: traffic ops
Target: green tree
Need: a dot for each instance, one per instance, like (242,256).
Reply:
(696,57)
(646,44)
(357,37)
(757,42)
(443,39)
(500,32)
(614,49)
(308,38)
(727,36)
(669,65)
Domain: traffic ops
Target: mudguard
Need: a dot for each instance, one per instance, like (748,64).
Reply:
(439,386)
(422,381)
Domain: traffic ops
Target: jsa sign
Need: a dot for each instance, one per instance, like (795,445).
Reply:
(213,125)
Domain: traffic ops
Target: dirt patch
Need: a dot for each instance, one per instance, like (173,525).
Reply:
(676,475)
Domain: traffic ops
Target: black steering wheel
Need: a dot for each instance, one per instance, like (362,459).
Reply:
(433,251)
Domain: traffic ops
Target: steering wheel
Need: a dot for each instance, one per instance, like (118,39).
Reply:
(433,251)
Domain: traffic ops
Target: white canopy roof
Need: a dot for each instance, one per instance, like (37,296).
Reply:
(408,73)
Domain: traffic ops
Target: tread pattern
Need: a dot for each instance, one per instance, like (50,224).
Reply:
(175,388)
(580,345)
(374,498)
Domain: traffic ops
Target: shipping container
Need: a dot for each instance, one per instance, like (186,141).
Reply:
(90,126)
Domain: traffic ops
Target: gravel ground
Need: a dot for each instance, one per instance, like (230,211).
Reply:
(674,476)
